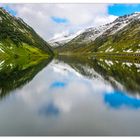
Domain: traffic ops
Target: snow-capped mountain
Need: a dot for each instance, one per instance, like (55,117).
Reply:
(120,35)
(121,22)
(62,39)
(91,34)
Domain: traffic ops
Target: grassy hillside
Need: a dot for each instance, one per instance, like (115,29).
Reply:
(126,40)
(9,50)
(19,39)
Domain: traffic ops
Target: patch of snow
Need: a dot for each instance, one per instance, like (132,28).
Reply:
(107,50)
(128,64)
(108,62)
(137,65)
(129,50)
(119,28)
(138,51)
(1,50)
(11,65)
(111,50)
(1,63)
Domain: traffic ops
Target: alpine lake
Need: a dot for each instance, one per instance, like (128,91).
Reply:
(69,96)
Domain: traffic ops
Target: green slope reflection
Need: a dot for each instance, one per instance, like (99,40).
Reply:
(16,73)
(123,76)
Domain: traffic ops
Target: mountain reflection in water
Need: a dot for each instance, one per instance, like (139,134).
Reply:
(121,75)
(14,75)
(70,96)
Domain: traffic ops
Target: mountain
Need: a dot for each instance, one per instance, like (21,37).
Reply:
(121,35)
(60,40)
(19,39)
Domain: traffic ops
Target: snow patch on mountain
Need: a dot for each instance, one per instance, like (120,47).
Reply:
(62,38)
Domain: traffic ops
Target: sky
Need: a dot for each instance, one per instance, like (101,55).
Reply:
(55,20)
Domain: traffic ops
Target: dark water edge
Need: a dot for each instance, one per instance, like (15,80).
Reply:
(14,75)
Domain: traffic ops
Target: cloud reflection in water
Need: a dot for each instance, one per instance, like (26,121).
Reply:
(49,110)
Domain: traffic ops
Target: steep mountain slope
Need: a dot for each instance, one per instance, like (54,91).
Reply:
(121,35)
(17,38)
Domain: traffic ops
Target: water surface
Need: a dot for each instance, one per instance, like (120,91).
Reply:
(70,97)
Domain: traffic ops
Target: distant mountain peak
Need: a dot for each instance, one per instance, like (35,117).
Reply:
(63,38)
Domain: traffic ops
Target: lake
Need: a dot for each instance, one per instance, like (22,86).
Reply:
(71,97)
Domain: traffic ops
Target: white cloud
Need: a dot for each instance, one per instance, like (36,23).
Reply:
(79,16)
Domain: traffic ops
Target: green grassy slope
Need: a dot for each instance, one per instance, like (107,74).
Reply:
(126,40)
(17,38)
(9,50)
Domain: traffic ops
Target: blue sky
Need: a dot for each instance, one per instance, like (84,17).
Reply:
(10,10)
(122,9)
(59,20)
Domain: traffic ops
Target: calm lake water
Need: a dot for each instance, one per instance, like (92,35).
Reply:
(70,97)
